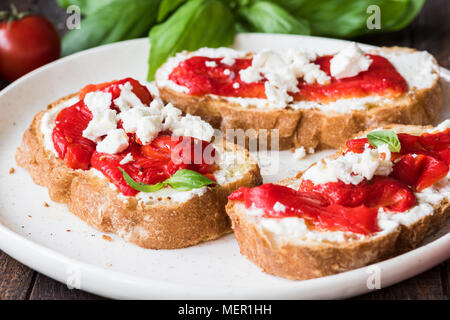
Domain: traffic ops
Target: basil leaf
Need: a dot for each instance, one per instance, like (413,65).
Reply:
(196,24)
(268,17)
(86,6)
(377,138)
(139,185)
(184,180)
(348,18)
(120,20)
(167,7)
(412,10)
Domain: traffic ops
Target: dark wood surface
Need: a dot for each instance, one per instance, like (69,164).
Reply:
(429,31)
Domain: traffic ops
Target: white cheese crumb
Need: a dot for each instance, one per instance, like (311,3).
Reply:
(128,158)
(103,118)
(282,72)
(148,128)
(116,141)
(236,85)
(349,62)
(279,207)
(228,60)
(131,118)
(127,98)
(227,72)
(299,153)
(352,167)
(211,64)
(192,126)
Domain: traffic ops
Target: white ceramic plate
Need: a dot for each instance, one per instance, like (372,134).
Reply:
(40,238)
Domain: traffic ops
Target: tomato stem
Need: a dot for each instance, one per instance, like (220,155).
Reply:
(13,14)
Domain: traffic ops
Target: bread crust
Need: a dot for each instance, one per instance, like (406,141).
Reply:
(156,226)
(311,128)
(301,261)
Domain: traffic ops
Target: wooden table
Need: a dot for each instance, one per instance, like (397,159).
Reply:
(430,31)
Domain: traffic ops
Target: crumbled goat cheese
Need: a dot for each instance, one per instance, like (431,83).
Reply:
(131,118)
(352,167)
(282,73)
(103,118)
(349,62)
(127,99)
(145,121)
(148,128)
(192,126)
(116,141)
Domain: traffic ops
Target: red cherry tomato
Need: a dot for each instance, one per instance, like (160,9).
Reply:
(26,44)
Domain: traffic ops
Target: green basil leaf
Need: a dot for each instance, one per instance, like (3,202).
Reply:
(141,186)
(348,18)
(120,20)
(184,180)
(86,6)
(268,17)
(377,138)
(411,11)
(167,7)
(196,24)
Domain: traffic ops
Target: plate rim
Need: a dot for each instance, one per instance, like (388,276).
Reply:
(18,246)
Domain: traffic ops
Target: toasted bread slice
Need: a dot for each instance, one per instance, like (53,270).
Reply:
(287,248)
(314,125)
(165,219)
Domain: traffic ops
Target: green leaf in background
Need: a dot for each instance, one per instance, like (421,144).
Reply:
(119,20)
(196,24)
(411,11)
(377,138)
(184,180)
(268,17)
(86,6)
(348,18)
(167,7)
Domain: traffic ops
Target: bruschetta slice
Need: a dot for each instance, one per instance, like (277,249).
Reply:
(126,163)
(379,196)
(310,100)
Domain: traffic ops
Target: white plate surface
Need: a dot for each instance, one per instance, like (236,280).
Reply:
(38,236)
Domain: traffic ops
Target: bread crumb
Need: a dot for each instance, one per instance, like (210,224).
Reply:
(107,238)
(108,264)
(29,216)
(12,170)
(46,205)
